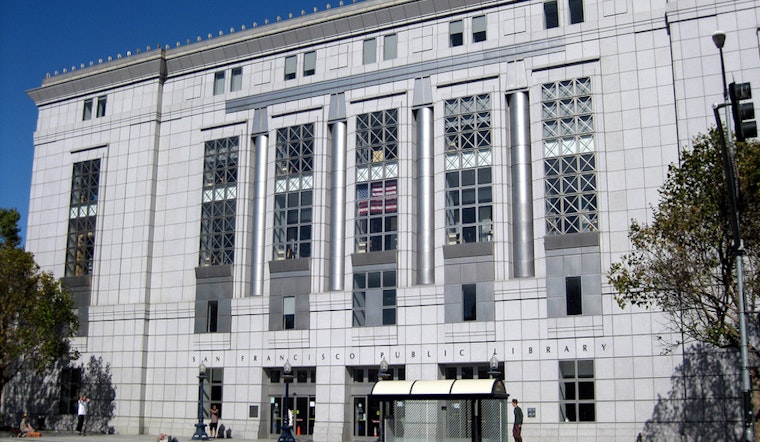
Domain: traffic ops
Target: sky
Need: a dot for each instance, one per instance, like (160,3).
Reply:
(42,36)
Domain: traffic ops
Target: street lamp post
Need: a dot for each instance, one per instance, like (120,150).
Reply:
(200,427)
(286,433)
(719,38)
(493,364)
(382,375)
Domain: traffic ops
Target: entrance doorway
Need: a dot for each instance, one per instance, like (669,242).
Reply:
(303,413)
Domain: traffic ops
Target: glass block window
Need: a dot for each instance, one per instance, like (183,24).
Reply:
(376,185)
(469,199)
(374,298)
(569,159)
(83,211)
(218,208)
(576,391)
(294,179)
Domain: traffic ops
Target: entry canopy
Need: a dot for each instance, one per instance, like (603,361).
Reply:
(463,388)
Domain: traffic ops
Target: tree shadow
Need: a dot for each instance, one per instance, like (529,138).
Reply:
(42,396)
(704,403)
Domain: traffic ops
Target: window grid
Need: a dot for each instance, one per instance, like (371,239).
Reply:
(294,165)
(83,210)
(374,298)
(577,391)
(376,189)
(218,208)
(569,159)
(467,134)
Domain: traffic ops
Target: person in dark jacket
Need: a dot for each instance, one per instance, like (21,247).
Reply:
(517,429)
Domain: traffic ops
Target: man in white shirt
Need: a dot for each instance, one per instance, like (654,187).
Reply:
(82,413)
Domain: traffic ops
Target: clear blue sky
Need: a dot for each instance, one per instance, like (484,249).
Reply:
(41,36)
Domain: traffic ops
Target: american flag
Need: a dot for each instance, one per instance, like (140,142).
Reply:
(377,199)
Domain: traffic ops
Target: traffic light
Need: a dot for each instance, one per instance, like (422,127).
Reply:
(744,113)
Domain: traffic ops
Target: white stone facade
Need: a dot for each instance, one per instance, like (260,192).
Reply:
(654,74)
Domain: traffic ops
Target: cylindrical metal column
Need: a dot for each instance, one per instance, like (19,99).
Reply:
(259,212)
(522,185)
(338,206)
(425,192)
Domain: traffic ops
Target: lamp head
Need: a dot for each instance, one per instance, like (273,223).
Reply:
(287,368)
(719,38)
(384,365)
(202,368)
(494,362)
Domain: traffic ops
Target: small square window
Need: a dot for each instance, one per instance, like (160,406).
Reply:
(390,47)
(551,15)
(219,83)
(369,52)
(87,112)
(576,11)
(479,29)
(456,33)
(309,63)
(290,67)
(236,82)
(101,111)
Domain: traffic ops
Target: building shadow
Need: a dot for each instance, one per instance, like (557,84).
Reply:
(704,403)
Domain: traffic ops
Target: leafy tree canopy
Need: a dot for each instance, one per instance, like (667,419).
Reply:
(683,263)
(36,312)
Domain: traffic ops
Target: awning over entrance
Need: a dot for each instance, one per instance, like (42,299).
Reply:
(421,389)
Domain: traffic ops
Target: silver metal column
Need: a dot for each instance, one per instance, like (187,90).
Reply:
(261,138)
(522,185)
(425,191)
(338,206)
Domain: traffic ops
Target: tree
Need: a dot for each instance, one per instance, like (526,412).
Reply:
(683,261)
(36,312)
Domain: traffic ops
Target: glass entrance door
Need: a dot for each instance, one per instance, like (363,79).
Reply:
(366,417)
(303,412)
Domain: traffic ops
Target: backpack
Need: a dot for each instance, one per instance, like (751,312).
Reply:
(229,433)
(220,432)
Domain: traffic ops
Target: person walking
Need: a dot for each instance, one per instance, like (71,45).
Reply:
(517,429)
(82,413)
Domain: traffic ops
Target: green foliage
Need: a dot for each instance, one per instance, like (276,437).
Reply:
(36,312)
(683,260)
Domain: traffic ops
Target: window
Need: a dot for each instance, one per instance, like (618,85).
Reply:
(294,165)
(212,316)
(573,295)
(551,15)
(569,160)
(236,82)
(369,52)
(576,11)
(212,390)
(101,111)
(467,134)
(469,302)
(390,47)
(87,112)
(83,210)
(217,239)
(70,382)
(374,298)
(456,33)
(288,312)
(473,371)
(290,67)
(376,189)
(576,391)
(219,83)
(479,29)
(309,63)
